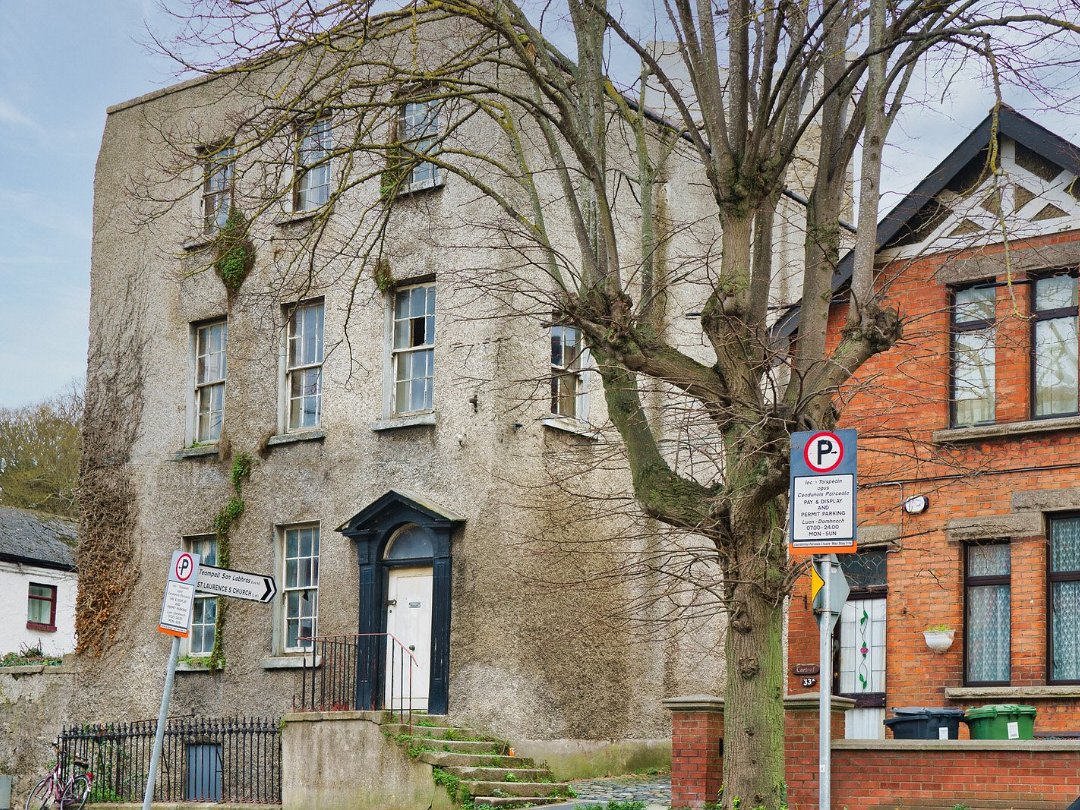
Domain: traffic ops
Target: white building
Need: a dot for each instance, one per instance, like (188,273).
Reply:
(37,582)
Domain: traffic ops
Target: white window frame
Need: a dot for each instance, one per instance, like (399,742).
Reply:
(314,165)
(312,587)
(412,138)
(295,345)
(396,355)
(197,544)
(574,371)
(218,165)
(204,389)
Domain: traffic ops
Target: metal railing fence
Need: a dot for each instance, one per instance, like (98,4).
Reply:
(365,671)
(204,759)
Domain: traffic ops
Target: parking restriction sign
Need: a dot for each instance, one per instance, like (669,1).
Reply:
(822,492)
(179,594)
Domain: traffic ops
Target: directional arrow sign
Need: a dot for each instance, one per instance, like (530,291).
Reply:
(237,584)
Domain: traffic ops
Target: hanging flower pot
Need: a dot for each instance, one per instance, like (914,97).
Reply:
(939,639)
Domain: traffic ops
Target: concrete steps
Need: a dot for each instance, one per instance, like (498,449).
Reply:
(476,766)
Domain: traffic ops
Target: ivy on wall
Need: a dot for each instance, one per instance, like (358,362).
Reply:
(228,515)
(234,251)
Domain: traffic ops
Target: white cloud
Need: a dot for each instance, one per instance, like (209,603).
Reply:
(9,114)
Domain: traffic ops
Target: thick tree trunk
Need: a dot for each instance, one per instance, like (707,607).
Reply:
(754,703)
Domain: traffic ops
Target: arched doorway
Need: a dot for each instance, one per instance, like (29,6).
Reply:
(403,542)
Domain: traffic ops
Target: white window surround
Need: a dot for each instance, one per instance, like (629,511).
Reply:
(409,352)
(209,369)
(301,368)
(313,173)
(200,640)
(297,608)
(569,362)
(215,201)
(419,125)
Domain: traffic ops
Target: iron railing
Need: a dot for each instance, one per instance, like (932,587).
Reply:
(366,671)
(204,759)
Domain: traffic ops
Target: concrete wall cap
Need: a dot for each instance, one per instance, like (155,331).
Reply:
(958,746)
(695,703)
(810,701)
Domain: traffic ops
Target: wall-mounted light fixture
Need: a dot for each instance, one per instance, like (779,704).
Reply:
(916,504)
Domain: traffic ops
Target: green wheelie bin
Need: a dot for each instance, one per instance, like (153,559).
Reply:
(1001,721)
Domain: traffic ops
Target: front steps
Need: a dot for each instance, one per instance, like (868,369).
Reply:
(477,770)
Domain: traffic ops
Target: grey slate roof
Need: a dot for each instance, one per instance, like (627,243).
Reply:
(34,538)
(1011,124)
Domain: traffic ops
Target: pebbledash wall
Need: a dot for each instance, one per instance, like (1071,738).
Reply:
(1002,482)
(536,653)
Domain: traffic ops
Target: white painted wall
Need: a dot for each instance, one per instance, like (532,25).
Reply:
(15,580)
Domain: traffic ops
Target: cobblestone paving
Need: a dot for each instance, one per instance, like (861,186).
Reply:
(655,791)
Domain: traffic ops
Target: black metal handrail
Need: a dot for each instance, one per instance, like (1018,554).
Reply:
(204,759)
(343,673)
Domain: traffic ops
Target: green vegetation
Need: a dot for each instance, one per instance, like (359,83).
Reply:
(235,253)
(29,657)
(229,514)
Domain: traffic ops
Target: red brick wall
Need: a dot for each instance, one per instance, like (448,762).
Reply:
(900,775)
(939,778)
(696,766)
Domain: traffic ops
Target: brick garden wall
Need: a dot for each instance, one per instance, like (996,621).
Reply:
(893,774)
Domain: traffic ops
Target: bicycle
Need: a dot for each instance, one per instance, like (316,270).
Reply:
(54,792)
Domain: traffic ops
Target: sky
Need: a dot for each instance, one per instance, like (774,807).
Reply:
(63,62)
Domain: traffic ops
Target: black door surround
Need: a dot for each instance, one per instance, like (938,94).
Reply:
(371,528)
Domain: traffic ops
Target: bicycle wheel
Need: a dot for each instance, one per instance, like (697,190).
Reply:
(75,793)
(41,797)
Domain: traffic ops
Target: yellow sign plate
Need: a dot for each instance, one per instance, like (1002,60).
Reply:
(816,583)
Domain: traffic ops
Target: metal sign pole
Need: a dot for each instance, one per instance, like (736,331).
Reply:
(825,692)
(163,714)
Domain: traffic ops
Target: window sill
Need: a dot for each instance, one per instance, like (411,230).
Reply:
(185,666)
(1006,430)
(296,661)
(41,628)
(420,188)
(298,217)
(199,242)
(412,420)
(567,424)
(292,438)
(196,452)
(1025,692)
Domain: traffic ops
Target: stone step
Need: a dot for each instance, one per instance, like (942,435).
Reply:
(458,746)
(496,774)
(447,760)
(530,789)
(395,729)
(514,801)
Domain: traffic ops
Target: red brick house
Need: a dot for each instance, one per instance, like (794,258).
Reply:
(973,420)
(977,410)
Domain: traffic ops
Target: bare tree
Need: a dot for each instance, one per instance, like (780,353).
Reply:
(775,95)
(39,454)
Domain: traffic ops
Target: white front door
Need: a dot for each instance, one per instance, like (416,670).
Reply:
(408,619)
